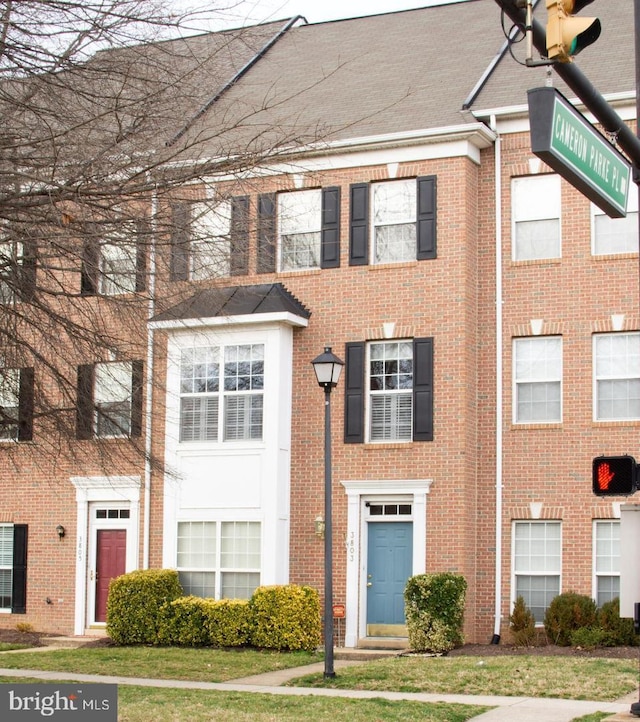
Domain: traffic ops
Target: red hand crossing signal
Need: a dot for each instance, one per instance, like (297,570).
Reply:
(614,475)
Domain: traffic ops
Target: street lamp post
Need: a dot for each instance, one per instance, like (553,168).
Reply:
(328,367)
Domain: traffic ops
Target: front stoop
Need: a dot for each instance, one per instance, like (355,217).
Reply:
(398,644)
(69,642)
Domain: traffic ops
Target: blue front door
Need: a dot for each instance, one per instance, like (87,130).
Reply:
(389,565)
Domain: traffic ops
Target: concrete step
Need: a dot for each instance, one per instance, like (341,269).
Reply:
(69,642)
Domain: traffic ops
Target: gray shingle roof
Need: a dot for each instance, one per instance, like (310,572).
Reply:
(235,301)
(396,72)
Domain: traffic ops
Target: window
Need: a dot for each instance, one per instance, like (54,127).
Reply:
(220,560)
(118,267)
(13,568)
(221,393)
(606,561)
(209,239)
(16,404)
(536,564)
(392,221)
(114,261)
(391,391)
(393,382)
(616,376)
(17,271)
(109,400)
(300,229)
(537,368)
(535,212)
(615,235)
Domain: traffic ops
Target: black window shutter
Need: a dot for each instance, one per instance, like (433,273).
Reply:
(426,218)
(180,237)
(25,405)
(330,248)
(239,261)
(423,389)
(266,233)
(136,397)
(359,224)
(142,243)
(19,582)
(90,266)
(354,393)
(28,271)
(84,409)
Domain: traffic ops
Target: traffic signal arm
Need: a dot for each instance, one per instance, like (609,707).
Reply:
(567,35)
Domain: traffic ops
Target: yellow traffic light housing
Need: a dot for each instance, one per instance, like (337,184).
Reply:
(567,34)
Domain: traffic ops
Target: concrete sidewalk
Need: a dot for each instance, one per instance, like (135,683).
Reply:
(507,709)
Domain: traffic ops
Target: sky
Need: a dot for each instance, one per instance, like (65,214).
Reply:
(235,13)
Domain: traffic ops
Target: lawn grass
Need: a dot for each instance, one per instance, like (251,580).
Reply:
(565,677)
(148,704)
(6,646)
(200,664)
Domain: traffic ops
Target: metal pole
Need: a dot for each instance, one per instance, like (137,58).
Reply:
(328,541)
(635,706)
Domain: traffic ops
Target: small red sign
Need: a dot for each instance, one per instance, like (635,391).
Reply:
(339,611)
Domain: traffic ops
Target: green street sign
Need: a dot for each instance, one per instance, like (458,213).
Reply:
(569,144)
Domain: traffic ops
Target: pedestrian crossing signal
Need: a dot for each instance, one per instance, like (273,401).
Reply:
(614,475)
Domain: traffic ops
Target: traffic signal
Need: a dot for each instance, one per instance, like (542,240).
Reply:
(567,35)
(614,475)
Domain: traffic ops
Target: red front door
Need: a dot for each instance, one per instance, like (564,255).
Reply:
(111,553)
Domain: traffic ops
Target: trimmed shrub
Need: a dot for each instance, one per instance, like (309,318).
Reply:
(197,622)
(522,624)
(618,631)
(285,617)
(566,613)
(134,604)
(434,607)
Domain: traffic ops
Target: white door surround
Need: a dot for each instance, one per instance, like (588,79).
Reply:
(109,493)
(359,493)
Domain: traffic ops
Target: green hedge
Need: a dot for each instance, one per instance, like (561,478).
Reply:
(285,617)
(135,603)
(198,622)
(434,607)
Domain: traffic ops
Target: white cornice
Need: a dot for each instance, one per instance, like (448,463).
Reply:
(179,324)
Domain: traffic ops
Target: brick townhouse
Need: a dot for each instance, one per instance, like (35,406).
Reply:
(486,311)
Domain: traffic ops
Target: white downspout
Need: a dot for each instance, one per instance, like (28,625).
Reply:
(149,384)
(499,380)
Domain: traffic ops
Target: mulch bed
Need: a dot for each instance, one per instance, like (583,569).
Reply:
(35,639)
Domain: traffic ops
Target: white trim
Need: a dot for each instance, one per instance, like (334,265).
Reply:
(107,489)
(249,318)
(356,558)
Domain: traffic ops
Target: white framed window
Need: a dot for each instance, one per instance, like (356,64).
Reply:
(390,391)
(113,398)
(615,235)
(394,205)
(210,251)
(537,374)
(221,393)
(219,559)
(537,564)
(6,565)
(616,363)
(535,217)
(9,404)
(300,229)
(118,267)
(11,259)
(606,560)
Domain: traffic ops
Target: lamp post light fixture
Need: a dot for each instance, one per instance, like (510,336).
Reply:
(328,368)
